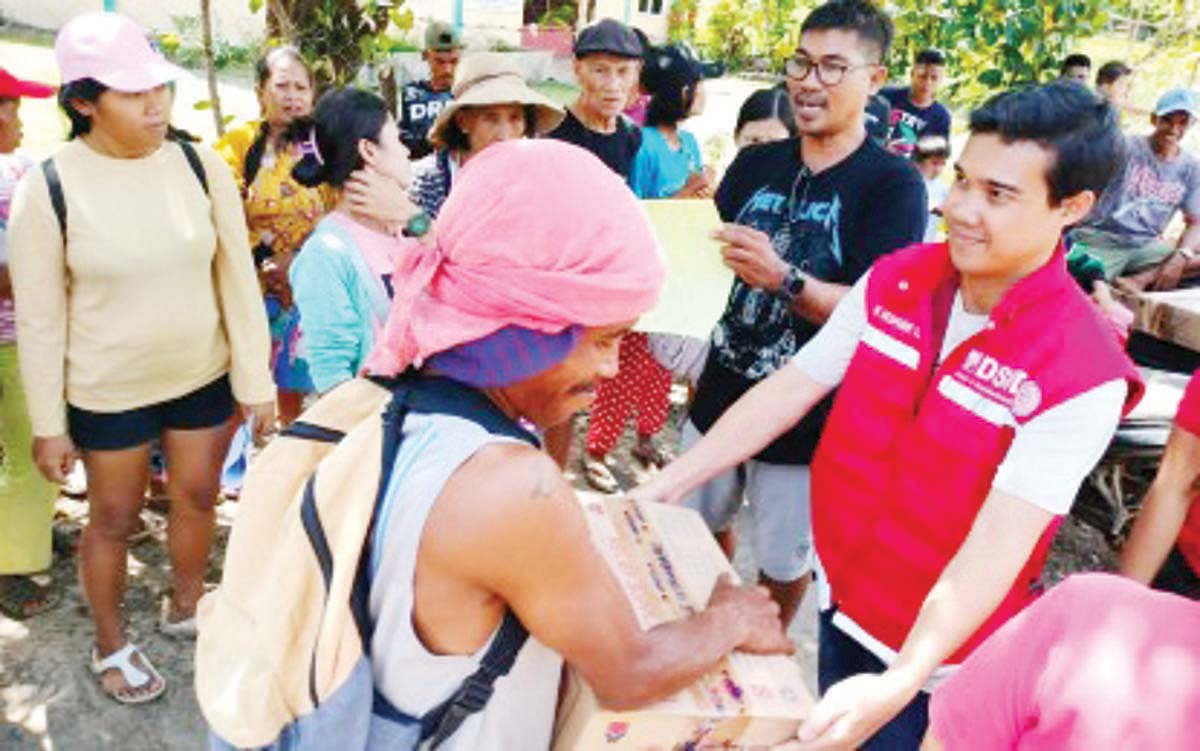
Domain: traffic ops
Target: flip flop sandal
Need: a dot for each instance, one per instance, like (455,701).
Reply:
(135,677)
(185,629)
(598,475)
(21,597)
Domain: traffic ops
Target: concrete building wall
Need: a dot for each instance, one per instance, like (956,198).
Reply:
(232,20)
(486,23)
(629,11)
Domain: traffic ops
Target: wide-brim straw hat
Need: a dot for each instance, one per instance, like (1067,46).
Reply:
(489,78)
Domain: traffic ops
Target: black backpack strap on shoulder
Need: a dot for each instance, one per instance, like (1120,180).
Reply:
(194,162)
(475,692)
(57,199)
(311,432)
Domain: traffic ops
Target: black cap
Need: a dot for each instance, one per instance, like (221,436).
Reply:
(674,66)
(608,36)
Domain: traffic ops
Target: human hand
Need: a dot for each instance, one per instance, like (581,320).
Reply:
(379,196)
(751,256)
(54,456)
(755,613)
(262,420)
(698,185)
(1169,273)
(852,711)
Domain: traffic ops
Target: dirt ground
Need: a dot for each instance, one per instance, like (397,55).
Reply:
(49,702)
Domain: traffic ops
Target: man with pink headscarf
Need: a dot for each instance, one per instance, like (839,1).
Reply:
(521,301)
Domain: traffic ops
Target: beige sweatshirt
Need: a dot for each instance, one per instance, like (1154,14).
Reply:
(154,296)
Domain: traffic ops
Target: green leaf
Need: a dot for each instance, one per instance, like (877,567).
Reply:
(256,5)
(203,104)
(991,77)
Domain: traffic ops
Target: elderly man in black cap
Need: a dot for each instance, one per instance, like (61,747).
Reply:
(608,62)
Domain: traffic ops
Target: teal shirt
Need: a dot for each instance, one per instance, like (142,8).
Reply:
(341,301)
(660,171)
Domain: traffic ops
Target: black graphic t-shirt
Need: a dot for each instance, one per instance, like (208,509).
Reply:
(832,225)
(615,149)
(910,122)
(419,107)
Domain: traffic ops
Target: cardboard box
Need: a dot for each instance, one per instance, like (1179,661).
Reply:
(667,562)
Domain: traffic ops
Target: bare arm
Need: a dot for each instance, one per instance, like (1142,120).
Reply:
(1001,540)
(752,257)
(522,537)
(764,413)
(1190,239)
(1165,509)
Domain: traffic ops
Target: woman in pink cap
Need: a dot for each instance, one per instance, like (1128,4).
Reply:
(139,318)
(26,499)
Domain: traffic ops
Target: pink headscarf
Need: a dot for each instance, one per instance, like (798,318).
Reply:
(536,233)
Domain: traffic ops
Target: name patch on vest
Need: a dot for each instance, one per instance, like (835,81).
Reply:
(992,390)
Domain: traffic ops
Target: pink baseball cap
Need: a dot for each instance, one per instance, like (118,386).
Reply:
(113,50)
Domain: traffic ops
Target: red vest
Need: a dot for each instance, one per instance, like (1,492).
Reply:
(1189,419)
(1189,537)
(911,447)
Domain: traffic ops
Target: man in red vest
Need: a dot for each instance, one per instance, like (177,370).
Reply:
(977,388)
(1164,546)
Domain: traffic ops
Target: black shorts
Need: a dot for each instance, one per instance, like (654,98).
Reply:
(206,407)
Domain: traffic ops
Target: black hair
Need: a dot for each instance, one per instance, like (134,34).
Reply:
(930,57)
(90,90)
(764,104)
(262,73)
(931,147)
(341,119)
(85,89)
(671,100)
(1111,72)
(456,139)
(1076,126)
(860,16)
(1075,60)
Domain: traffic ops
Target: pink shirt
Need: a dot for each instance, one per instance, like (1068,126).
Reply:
(1099,663)
(378,249)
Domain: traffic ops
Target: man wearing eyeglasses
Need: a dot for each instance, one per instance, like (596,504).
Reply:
(806,217)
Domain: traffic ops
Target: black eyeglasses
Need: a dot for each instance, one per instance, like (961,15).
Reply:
(829,72)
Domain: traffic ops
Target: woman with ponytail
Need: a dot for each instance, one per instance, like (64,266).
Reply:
(279,211)
(342,278)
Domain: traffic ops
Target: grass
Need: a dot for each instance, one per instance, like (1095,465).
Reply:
(562,93)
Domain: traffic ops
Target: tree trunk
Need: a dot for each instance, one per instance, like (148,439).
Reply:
(210,64)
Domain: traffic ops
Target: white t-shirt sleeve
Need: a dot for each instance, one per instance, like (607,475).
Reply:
(826,357)
(1052,454)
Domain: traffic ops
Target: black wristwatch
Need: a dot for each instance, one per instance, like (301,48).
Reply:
(792,285)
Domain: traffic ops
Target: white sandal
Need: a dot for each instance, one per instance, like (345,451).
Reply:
(185,629)
(135,677)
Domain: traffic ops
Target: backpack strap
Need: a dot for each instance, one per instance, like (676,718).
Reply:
(474,693)
(437,395)
(193,159)
(57,199)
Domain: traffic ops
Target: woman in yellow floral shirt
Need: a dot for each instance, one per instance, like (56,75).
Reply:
(279,211)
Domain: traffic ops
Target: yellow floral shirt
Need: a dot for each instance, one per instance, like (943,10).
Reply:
(279,210)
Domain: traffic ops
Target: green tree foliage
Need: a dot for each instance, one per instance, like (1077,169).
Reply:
(751,33)
(994,44)
(337,37)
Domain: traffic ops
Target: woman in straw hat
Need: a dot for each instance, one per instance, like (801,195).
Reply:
(139,317)
(492,103)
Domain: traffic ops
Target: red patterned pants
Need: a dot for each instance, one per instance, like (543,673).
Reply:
(641,385)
